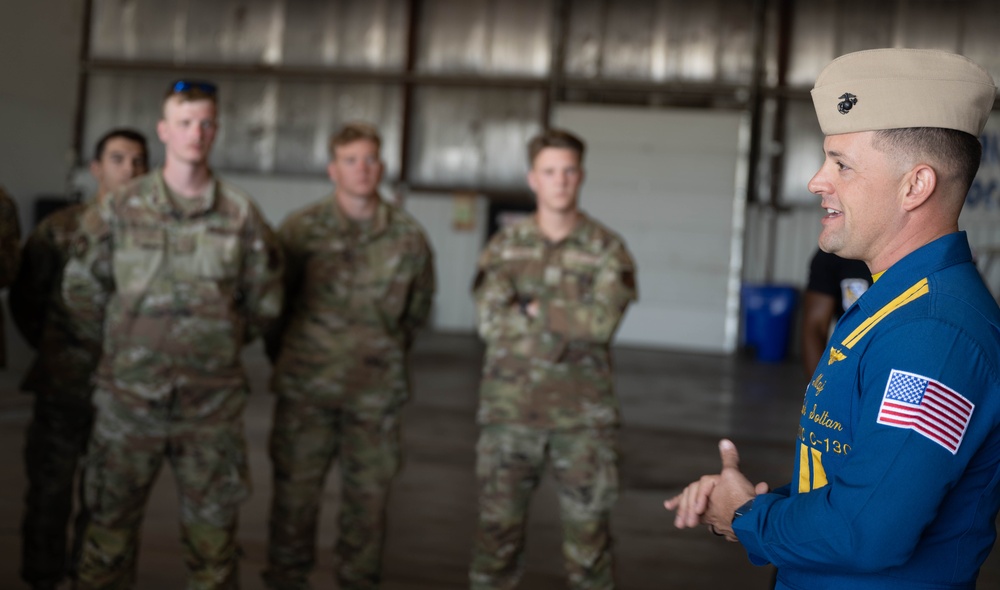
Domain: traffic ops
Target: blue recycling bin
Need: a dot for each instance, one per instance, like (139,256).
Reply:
(768,315)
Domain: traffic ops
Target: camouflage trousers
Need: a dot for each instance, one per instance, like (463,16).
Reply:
(56,440)
(510,463)
(125,454)
(305,441)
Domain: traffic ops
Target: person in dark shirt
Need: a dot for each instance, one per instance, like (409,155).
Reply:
(835,283)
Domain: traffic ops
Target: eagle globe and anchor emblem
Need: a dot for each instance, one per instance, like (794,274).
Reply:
(847,102)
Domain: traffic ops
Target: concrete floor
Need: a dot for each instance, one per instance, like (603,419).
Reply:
(675,407)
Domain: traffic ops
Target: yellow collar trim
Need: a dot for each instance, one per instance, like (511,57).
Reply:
(915,292)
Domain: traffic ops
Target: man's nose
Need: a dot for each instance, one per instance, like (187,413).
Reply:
(818,183)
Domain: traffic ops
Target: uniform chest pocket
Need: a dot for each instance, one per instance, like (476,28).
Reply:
(578,275)
(217,255)
(138,257)
(206,254)
(392,283)
(329,274)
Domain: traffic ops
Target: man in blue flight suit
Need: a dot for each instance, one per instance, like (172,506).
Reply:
(896,480)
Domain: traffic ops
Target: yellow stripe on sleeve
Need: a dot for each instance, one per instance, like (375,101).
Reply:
(819,473)
(803,468)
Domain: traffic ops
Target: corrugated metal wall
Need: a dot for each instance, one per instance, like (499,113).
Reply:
(457,86)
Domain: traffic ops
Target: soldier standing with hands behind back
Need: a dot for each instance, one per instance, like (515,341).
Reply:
(181,270)
(550,292)
(61,375)
(360,281)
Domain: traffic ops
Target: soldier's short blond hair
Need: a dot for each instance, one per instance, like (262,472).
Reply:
(352,132)
(555,138)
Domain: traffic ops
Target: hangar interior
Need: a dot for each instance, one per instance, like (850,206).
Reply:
(701,139)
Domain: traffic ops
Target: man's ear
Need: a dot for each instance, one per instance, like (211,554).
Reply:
(920,184)
(161,127)
(532,181)
(331,171)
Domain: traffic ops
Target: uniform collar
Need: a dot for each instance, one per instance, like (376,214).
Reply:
(160,198)
(578,236)
(379,221)
(943,252)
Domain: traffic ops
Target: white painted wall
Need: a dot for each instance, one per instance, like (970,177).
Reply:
(456,253)
(666,180)
(795,231)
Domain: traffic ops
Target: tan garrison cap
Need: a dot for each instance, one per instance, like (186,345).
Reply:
(899,88)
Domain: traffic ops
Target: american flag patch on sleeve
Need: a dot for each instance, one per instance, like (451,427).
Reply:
(927,407)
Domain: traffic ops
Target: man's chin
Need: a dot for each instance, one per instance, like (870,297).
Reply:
(363,192)
(828,245)
(561,205)
(195,159)
(838,247)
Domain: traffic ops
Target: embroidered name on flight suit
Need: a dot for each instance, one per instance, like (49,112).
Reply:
(812,474)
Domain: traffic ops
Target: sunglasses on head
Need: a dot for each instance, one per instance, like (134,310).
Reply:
(201,86)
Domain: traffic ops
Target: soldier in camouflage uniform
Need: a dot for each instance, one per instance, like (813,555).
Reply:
(188,271)
(360,281)
(10,254)
(550,292)
(60,377)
